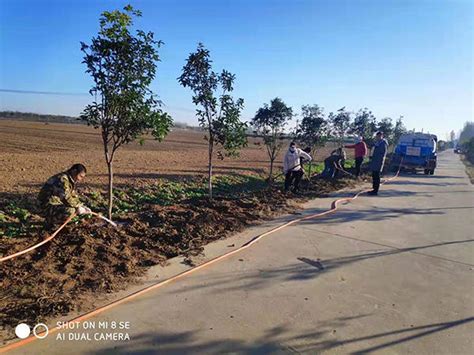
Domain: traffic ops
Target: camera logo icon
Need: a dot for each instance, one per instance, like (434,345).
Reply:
(23,331)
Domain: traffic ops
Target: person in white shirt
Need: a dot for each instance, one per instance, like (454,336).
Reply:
(292,166)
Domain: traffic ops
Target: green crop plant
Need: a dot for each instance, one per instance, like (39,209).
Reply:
(20,213)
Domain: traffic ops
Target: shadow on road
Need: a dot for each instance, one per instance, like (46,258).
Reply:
(305,269)
(275,340)
(430,193)
(430,329)
(411,182)
(329,264)
(431,177)
(378,214)
(397,193)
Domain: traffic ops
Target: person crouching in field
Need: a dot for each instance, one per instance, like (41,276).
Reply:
(58,199)
(360,151)
(334,163)
(377,161)
(292,166)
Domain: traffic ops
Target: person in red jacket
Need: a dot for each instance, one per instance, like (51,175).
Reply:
(360,151)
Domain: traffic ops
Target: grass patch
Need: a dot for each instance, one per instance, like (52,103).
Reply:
(165,192)
(19,217)
(15,220)
(316,168)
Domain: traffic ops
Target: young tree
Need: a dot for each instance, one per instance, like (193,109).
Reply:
(293,134)
(466,134)
(122,66)
(386,126)
(364,125)
(269,122)
(452,136)
(398,130)
(340,123)
(218,115)
(312,131)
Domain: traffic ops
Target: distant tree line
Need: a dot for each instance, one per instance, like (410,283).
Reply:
(467,133)
(37,117)
(466,140)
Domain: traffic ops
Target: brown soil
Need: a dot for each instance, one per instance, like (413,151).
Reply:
(88,259)
(30,152)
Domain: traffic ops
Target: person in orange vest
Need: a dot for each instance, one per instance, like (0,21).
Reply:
(360,151)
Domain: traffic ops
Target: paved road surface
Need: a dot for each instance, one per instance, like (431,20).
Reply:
(391,274)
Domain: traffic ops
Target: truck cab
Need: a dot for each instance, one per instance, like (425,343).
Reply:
(415,151)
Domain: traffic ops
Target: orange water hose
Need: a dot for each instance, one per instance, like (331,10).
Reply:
(33,247)
(334,207)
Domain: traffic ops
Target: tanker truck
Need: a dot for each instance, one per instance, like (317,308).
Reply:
(415,151)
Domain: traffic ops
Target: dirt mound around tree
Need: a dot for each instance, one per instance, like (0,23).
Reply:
(88,258)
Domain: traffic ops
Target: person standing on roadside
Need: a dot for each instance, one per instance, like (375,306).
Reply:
(377,161)
(360,151)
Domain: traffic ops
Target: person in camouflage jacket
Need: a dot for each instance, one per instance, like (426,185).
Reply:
(58,199)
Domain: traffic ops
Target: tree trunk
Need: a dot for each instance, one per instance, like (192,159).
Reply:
(211,148)
(110,192)
(270,178)
(109,157)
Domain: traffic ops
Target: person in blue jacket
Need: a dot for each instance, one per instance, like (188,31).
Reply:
(377,161)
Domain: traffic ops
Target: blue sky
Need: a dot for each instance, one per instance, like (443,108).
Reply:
(410,58)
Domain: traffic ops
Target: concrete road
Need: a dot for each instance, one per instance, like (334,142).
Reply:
(391,274)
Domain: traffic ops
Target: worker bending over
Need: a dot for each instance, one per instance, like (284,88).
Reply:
(58,199)
(292,166)
(334,163)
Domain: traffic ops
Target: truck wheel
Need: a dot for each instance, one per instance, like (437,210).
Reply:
(427,171)
(432,172)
